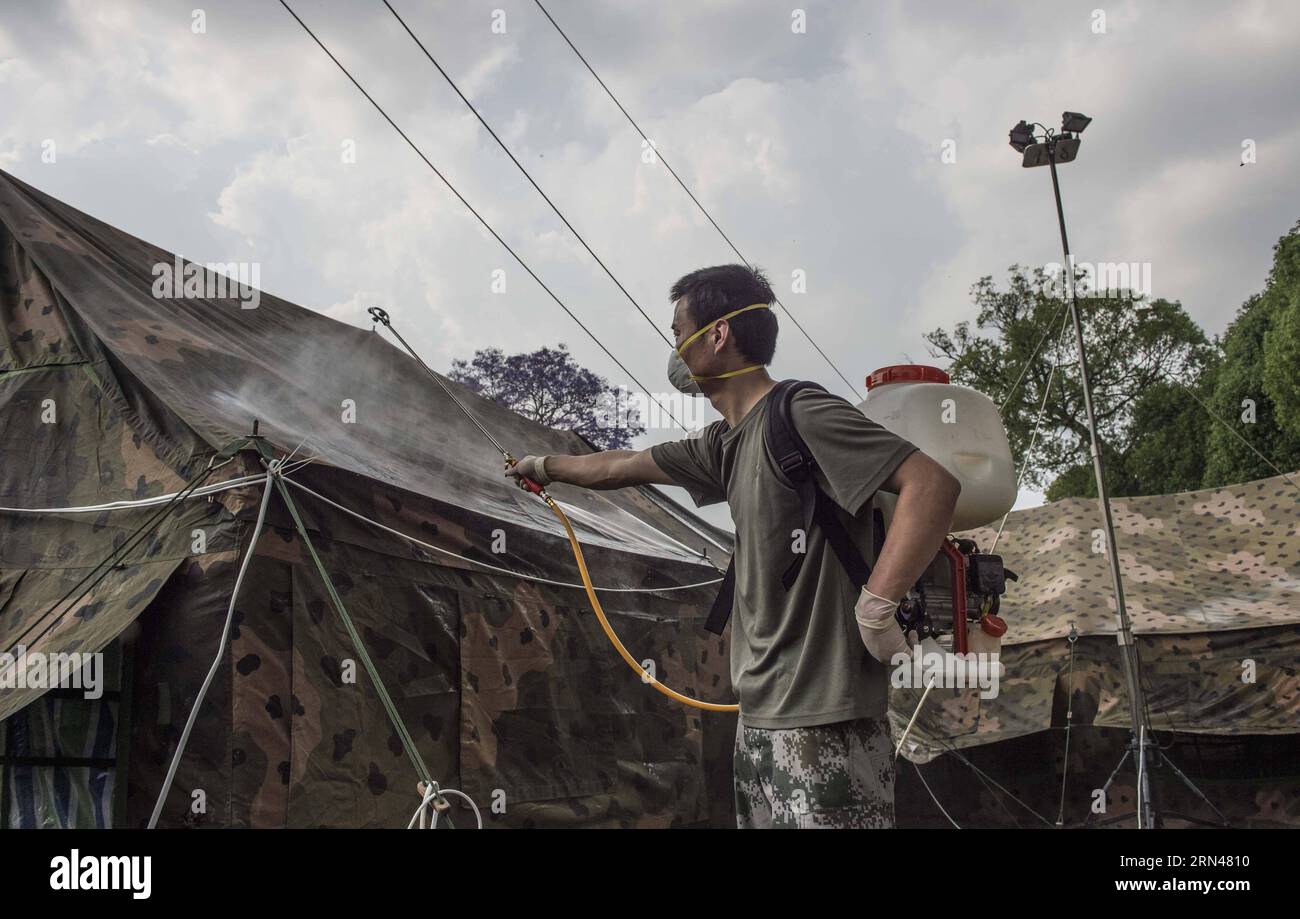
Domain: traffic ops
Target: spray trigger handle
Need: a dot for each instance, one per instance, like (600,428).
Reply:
(525,483)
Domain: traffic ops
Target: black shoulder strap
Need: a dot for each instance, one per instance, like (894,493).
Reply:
(796,465)
(793,460)
(720,612)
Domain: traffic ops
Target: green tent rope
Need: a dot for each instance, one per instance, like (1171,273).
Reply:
(408,744)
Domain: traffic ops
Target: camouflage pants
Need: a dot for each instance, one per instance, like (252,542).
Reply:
(829,776)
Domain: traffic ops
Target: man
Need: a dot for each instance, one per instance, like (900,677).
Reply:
(812,743)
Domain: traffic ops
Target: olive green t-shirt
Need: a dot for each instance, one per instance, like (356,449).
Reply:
(797,658)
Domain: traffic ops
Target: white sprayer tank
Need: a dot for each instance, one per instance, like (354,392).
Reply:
(957,427)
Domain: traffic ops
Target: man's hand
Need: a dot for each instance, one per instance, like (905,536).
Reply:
(880,631)
(530,467)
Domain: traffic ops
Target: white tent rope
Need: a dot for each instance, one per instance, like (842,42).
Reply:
(930,792)
(1024,464)
(142,502)
(505,571)
(684,551)
(431,794)
(158,499)
(253,479)
(221,651)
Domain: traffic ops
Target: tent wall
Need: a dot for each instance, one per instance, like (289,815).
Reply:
(509,688)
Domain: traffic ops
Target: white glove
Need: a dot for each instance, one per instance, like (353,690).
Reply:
(530,467)
(880,631)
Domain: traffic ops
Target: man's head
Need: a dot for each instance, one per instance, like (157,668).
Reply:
(704,296)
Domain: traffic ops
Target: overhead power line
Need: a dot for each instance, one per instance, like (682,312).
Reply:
(487,226)
(527,175)
(690,194)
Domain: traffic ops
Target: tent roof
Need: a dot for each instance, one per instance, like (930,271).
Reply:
(1212,585)
(216,367)
(1198,561)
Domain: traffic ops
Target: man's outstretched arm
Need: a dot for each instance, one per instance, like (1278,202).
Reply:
(604,470)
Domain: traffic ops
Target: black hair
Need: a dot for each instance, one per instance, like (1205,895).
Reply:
(713,292)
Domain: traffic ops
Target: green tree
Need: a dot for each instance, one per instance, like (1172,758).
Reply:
(1138,351)
(1282,342)
(548,386)
(1170,430)
(1257,390)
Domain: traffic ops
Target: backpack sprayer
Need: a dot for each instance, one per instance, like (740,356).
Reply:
(960,593)
(962,430)
(964,600)
(963,585)
(381,318)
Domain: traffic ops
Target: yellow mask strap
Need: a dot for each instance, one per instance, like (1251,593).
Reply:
(729,373)
(699,332)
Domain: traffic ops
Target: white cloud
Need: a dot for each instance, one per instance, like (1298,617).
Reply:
(817,152)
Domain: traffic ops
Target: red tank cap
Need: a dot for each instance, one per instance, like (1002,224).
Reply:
(906,373)
(993,626)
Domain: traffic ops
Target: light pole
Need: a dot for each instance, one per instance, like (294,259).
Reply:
(1048,149)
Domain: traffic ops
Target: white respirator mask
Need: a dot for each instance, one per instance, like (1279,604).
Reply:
(679,374)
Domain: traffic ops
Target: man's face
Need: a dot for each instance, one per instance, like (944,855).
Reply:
(684,327)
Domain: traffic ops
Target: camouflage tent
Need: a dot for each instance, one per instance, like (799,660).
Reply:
(1212,585)
(114,389)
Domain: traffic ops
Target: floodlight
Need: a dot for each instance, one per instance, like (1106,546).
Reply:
(1073,122)
(1022,135)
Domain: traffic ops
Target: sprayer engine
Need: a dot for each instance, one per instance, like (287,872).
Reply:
(961,590)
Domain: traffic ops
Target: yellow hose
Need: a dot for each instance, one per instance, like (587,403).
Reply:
(609,631)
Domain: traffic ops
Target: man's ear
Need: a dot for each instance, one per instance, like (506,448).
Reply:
(723,331)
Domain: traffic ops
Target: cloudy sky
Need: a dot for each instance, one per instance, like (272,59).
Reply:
(222,135)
